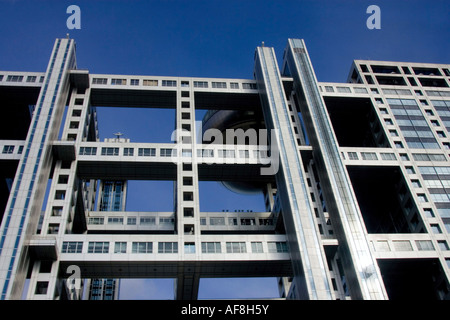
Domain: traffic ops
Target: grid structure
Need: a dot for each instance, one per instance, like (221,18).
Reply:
(358,202)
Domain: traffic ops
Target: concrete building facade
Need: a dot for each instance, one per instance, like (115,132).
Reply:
(354,177)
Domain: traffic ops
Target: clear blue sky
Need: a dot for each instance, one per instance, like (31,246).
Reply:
(215,38)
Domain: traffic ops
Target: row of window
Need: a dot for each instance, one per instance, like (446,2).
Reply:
(167,152)
(233,221)
(173,83)
(400,81)
(405,245)
(437,180)
(172,247)
(387,91)
(213,221)
(18,78)
(130,220)
(397,92)
(113,151)
(412,123)
(384,69)
(371,156)
(8,149)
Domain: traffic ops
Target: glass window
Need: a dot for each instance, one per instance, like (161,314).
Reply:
(8,149)
(211,247)
(422,197)
(217,221)
(343,89)
(147,220)
(99,81)
(220,85)
(257,247)
(352,155)
(96,220)
(14,78)
(167,247)
(248,221)
(416,183)
(72,247)
(88,151)
(404,157)
(128,151)
(98,247)
(106,151)
(249,86)
(169,83)
(226,153)
(142,247)
(393,133)
(236,247)
(167,221)
(369,155)
(435,228)
(57,211)
(31,79)
(388,156)
(115,220)
(402,245)
(277,247)
(41,287)
(443,245)
(120,247)
(200,84)
(152,83)
(146,152)
(134,82)
(189,247)
(360,90)
(60,194)
(410,170)
(424,245)
(186,153)
(398,144)
(167,152)
(118,81)
(428,213)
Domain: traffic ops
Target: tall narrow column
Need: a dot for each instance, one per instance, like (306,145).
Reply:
(188,217)
(360,266)
(308,257)
(24,205)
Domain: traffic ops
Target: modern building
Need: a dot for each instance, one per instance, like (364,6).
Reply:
(354,177)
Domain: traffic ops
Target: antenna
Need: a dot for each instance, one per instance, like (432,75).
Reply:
(118,135)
